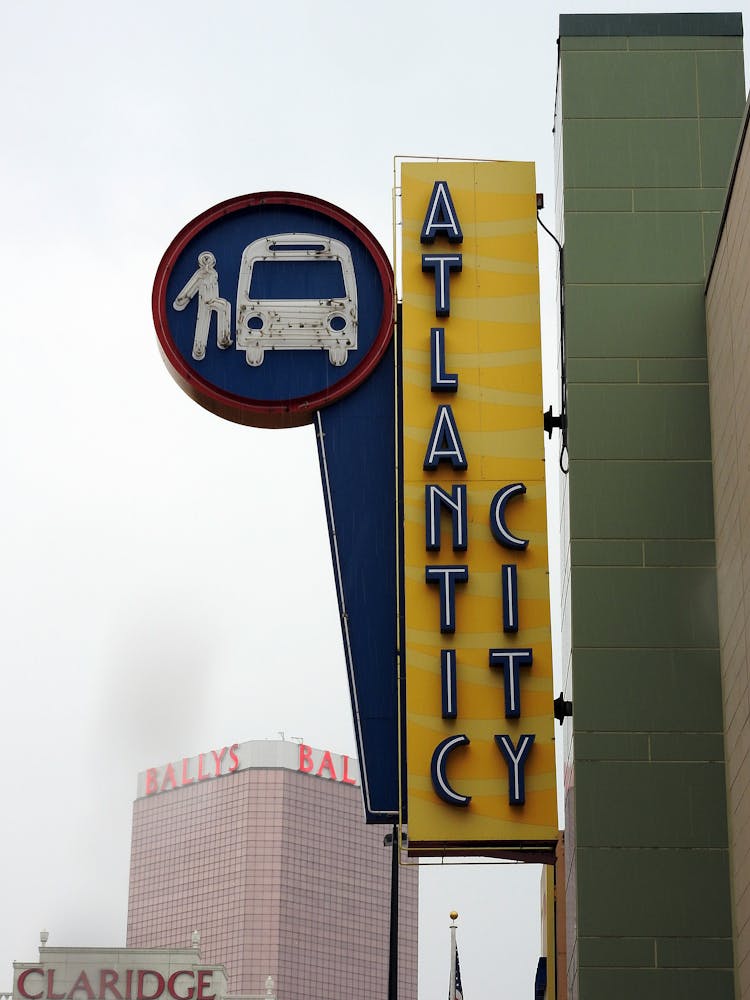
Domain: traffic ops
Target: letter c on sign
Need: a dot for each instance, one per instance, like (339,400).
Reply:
(438,768)
(498,526)
(22,983)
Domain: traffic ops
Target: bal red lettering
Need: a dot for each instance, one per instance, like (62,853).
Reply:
(346,779)
(327,764)
(305,758)
(169,776)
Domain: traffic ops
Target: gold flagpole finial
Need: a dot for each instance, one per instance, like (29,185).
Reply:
(453,915)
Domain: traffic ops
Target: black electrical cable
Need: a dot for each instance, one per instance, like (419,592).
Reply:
(563,361)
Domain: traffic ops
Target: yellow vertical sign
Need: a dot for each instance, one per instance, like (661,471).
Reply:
(478,657)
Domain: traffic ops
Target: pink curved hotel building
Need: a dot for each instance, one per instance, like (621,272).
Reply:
(262,848)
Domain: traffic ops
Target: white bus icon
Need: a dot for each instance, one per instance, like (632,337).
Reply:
(296,291)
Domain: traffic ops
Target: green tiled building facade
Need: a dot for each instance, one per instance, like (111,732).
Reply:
(648,114)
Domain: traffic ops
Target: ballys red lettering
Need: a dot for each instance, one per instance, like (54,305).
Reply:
(186,779)
(217,760)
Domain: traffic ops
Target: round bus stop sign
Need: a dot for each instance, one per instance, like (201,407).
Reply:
(271,306)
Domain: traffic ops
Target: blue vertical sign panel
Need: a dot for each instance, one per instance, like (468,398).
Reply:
(276,310)
(356,445)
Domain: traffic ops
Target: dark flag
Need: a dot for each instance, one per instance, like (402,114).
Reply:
(458,992)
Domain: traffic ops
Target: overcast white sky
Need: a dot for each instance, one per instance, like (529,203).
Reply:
(162,591)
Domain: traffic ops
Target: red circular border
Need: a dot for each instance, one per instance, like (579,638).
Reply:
(269,413)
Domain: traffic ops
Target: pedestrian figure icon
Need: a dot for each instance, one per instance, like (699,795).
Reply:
(205,284)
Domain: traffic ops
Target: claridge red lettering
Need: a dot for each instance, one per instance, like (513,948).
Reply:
(152,784)
(234,758)
(51,987)
(142,995)
(107,981)
(150,985)
(203,983)
(202,775)
(186,779)
(82,983)
(22,984)
(172,985)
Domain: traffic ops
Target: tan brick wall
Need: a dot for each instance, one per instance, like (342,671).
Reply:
(728,324)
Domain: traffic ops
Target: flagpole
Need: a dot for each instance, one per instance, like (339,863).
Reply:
(452,988)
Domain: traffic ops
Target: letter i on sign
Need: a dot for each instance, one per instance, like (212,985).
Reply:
(510,598)
(448,682)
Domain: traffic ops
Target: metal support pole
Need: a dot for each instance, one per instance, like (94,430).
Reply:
(452,987)
(393,945)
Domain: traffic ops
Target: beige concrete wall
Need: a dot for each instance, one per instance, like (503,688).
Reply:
(728,325)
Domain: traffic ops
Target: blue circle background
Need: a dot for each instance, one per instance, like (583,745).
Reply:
(284,375)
